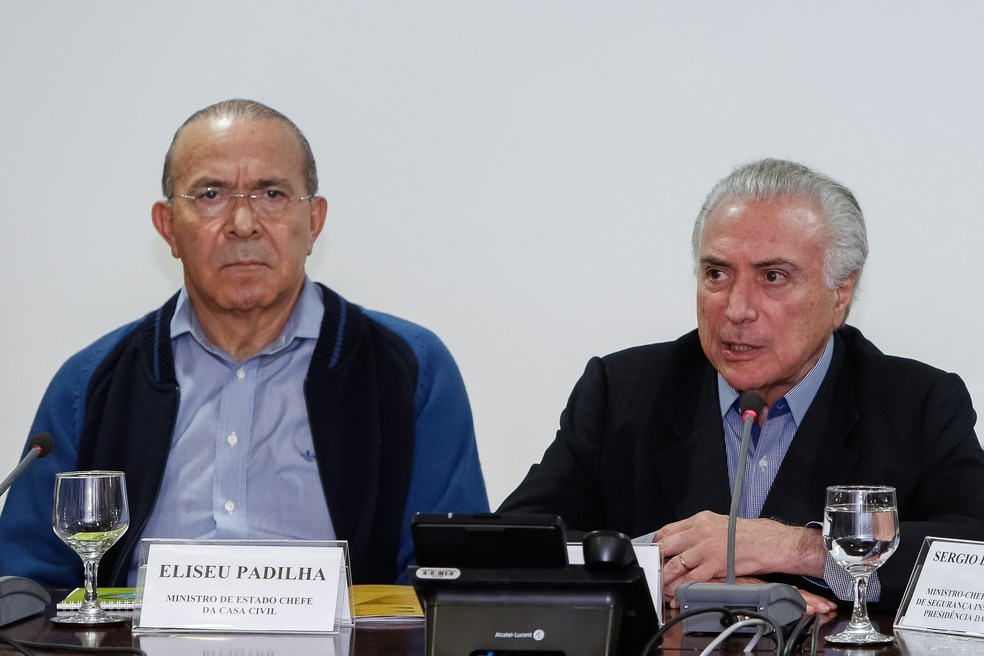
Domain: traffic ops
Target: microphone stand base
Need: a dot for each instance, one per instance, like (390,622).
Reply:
(779,601)
(20,598)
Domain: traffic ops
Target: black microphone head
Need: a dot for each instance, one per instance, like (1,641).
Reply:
(43,441)
(750,401)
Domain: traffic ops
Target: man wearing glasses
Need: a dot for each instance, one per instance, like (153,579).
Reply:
(254,403)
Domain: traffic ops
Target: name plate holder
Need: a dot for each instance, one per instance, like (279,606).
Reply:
(249,586)
(945,594)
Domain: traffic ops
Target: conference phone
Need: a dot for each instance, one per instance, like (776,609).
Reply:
(502,584)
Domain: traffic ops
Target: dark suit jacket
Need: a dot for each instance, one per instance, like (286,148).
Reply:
(641,444)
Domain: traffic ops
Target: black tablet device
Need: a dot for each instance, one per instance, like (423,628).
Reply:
(488,540)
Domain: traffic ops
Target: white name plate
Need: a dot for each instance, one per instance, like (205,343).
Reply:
(239,644)
(281,586)
(946,590)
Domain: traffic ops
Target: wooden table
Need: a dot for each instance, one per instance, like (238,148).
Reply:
(405,639)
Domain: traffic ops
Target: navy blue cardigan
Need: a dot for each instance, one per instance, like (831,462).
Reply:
(368,383)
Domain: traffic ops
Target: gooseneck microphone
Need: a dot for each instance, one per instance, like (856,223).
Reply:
(20,597)
(749,406)
(779,601)
(39,446)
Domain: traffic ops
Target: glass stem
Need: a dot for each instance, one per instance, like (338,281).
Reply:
(859,617)
(90,601)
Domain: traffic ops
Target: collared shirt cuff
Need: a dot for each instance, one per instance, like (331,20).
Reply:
(840,582)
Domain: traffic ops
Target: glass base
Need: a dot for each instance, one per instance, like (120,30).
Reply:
(869,637)
(86,619)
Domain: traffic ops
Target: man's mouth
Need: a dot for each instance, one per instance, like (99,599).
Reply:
(244,263)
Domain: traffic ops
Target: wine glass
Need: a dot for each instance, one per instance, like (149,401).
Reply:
(860,530)
(90,514)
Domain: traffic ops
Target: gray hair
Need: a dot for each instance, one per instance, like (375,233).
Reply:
(847,241)
(246,109)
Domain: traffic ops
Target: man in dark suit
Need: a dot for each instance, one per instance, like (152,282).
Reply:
(648,443)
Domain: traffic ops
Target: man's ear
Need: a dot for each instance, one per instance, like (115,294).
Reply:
(844,297)
(319,210)
(160,214)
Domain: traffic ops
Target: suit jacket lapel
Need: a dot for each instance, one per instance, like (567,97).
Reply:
(694,466)
(818,452)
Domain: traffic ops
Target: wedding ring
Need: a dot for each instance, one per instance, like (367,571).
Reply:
(682,561)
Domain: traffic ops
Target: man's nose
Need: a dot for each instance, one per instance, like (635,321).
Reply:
(242,220)
(742,302)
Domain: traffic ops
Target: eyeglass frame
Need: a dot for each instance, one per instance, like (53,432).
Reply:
(230,197)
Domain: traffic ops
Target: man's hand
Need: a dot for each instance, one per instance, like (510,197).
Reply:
(696,549)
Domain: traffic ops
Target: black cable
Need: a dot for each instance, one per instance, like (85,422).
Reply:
(658,636)
(815,637)
(10,642)
(795,632)
(778,636)
(730,617)
(798,632)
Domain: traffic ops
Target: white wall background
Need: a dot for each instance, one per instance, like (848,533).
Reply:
(520,175)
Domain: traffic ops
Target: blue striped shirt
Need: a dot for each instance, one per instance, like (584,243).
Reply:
(242,463)
(765,457)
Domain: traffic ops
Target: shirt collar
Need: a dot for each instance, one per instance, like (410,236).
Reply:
(304,321)
(799,398)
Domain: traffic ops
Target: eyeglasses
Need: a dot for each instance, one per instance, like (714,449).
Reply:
(270,203)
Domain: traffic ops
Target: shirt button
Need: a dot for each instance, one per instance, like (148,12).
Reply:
(763,463)
(232,439)
(230,506)
(241,373)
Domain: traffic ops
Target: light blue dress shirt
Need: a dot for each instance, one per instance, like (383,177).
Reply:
(242,463)
(784,417)
(765,457)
